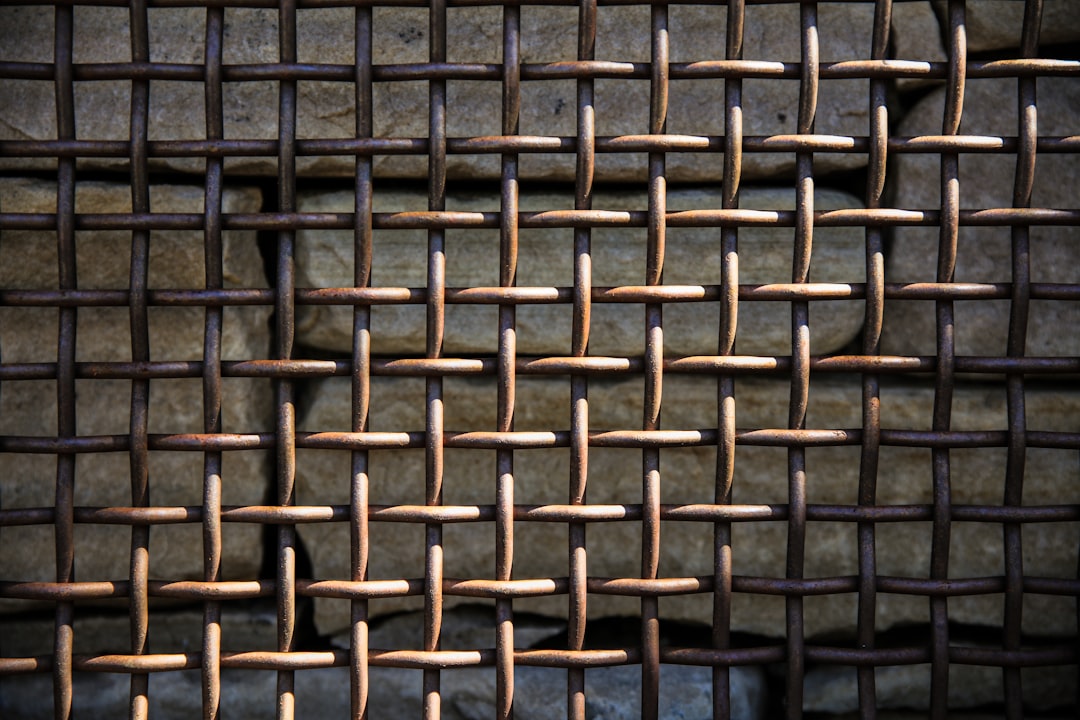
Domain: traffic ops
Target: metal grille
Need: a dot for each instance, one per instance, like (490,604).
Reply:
(864,365)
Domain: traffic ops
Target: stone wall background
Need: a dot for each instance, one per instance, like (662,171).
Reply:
(324,259)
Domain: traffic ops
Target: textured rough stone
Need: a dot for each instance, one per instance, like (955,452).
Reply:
(916,35)
(466,627)
(611,692)
(243,628)
(833,689)
(177,695)
(548,34)
(172,695)
(687,476)
(29,407)
(467,693)
(546,259)
(983,253)
(997,24)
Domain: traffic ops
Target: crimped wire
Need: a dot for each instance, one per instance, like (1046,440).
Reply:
(730,151)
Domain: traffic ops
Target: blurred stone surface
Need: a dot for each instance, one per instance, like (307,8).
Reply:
(983,253)
(997,24)
(173,695)
(396,477)
(326,109)
(28,260)
(465,627)
(834,689)
(324,258)
(467,693)
(610,692)
(244,628)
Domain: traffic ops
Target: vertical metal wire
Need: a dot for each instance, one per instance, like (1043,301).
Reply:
(946,362)
(361,367)
(140,352)
(213,258)
(725,391)
(579,384)
(1027,136)
(507,363)
(800,357)
(64,519)
(285,330)
(654,368)
(436,296)
(871,346)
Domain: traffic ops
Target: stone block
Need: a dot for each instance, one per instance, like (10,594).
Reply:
(611,692)
(997,24)
(916,35)
(175,694)
(244,628)
(834,689)
(466,627)
(983,253)
(546,259)
(326,109)
(687,477)
(28,260)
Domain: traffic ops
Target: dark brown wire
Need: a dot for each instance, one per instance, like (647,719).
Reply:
(285,425)
(1027,133)
(359,485)
(946,351)
(871,347)
(800,360)
(725,396)
(436,284)
(65,363)
(212,374)
(507,367)
(577,558)
(139,608)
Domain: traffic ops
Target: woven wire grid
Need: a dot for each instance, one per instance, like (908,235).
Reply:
(285,368)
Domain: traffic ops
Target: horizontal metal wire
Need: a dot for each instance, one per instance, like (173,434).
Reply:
(447,220)
(592,69)
(534,440)
(524,144)
(542,587)
(593,513)
(521,295)
(416,659)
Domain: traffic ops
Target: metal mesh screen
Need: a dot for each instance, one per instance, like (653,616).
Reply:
(861,365)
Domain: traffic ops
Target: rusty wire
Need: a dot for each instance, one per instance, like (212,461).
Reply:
(287,364)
